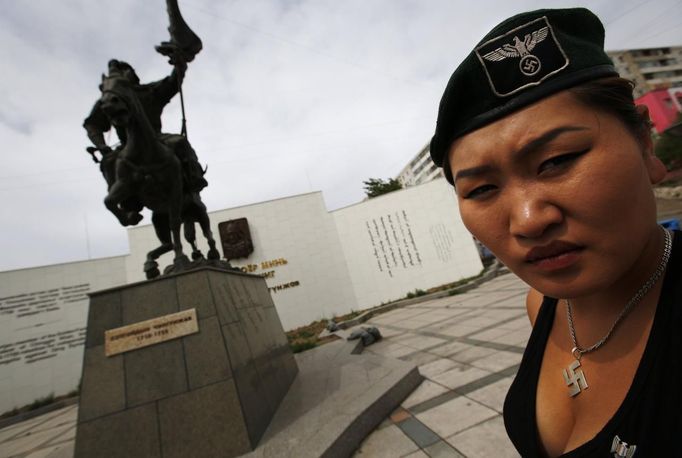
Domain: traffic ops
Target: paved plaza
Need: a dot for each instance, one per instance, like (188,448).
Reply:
(468,348)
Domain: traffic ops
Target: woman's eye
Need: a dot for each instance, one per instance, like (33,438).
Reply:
(559,161)
(479,191)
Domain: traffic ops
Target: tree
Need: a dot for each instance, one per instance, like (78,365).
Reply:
(376,186)
(669,148)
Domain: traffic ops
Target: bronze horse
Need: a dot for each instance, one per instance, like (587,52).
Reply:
(150,174)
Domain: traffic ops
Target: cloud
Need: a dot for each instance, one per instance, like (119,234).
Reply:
(286,97)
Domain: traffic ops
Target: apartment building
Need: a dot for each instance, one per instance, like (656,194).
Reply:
(650,68)
(420,169)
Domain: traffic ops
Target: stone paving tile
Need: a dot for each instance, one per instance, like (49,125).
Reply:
(498,361)
(387,422)
(69,434)
(21,428)
(29,442)
(442,450)
(480,321)
(395,350)
(427,390)
(412,324)
(417,454)
(490,334)
(456,330)
(429,404)
(389,442)
(492,395)
(455,415)
(460,375)
(506,315)
(388,332)
(472,354)
(521,323)
(519,337)
(403,315)
(399,415)
(421,342)
(436,367)
(493,345)
(419,358)
(485,440)
(449,348)
(418,432)
(64,450)
(66,417)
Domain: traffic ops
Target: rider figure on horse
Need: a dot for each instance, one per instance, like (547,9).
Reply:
(153,98)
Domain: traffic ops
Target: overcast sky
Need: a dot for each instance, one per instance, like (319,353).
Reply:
(286,97)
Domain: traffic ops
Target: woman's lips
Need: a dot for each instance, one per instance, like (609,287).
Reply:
(556,255)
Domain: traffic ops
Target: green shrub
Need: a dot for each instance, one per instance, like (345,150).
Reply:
(302,345)
(669,149)
(40,402)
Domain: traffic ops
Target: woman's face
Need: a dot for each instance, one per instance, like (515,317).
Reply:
(560,193)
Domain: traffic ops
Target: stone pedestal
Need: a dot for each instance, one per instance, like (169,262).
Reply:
(212,393)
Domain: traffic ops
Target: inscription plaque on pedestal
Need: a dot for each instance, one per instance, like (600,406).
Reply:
(150,332)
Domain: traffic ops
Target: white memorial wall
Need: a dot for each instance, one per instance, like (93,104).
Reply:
(43,313)
(317,264)
(403,241)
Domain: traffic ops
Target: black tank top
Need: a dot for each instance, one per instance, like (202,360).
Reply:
(650,416)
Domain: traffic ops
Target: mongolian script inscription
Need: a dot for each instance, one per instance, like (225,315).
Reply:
(392,242)
(150,332)
(443,241)
(39,302)
(37,348)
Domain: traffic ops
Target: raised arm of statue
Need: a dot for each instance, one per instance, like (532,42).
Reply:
(165,89)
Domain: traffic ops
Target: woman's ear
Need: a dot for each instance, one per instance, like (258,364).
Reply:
(655,167)
(645,134)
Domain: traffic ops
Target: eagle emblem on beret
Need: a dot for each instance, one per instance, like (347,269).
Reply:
(529,64)
(521,58)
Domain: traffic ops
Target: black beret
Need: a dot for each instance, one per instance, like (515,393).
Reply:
(525,58)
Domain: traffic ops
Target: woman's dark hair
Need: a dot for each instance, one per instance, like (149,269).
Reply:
(613,95)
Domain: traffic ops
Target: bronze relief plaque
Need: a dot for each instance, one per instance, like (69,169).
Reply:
(235,237)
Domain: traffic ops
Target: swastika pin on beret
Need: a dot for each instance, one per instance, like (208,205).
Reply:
(524,59)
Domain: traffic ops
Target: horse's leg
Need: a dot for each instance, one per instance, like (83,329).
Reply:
(205,224)
(191,237)
(175,221)
(118,192)
(160,222)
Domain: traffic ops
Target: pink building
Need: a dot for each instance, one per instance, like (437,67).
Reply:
(664,106)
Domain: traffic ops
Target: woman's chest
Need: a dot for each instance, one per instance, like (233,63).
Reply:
(574,402)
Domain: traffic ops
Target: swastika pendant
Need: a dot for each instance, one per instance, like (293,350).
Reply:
(574,378)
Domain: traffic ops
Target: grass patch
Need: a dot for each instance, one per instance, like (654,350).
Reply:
(306,337)
(40,402)
(416,293)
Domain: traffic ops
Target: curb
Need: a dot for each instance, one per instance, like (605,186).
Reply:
(495,270)
(38,412)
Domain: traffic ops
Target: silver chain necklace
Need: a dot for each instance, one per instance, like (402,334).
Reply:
(573,375)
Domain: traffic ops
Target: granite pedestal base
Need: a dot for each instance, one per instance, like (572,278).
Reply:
(212,393)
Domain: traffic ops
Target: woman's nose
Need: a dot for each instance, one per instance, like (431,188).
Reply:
(532,213)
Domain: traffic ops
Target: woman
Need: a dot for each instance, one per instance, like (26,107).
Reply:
(553,168)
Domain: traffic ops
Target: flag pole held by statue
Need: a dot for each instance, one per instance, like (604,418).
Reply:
(183,45)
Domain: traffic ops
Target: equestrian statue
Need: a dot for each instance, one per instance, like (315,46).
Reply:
(149,168)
